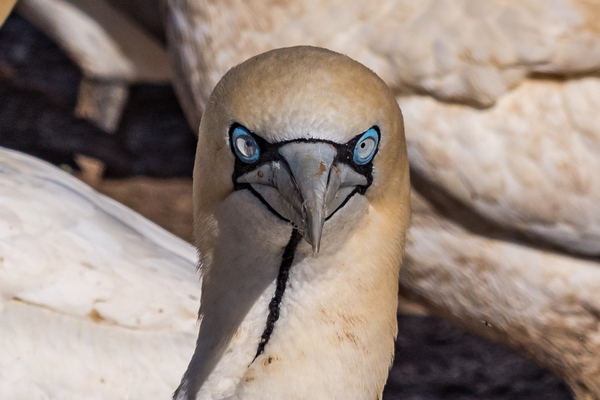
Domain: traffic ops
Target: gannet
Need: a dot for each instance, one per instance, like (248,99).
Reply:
(301,196)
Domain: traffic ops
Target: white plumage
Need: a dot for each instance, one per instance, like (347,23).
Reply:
(95,301)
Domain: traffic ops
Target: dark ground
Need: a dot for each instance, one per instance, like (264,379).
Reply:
(38,88)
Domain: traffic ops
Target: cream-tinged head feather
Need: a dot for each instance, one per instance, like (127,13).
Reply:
(305,109)
(298,93)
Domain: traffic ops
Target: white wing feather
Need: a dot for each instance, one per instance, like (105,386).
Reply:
(96,302)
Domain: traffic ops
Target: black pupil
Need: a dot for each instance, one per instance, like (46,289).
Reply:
(362,145)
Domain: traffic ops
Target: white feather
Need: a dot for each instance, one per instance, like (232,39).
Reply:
(96,302)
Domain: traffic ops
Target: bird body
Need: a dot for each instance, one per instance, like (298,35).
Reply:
(96,302)
(273,167)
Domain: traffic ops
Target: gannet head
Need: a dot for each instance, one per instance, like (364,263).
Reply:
(304,130)
(297,143)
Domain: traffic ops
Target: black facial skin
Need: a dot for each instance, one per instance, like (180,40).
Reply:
(269,152)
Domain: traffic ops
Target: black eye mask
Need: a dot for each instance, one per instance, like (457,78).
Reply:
(303,181)
(269,152)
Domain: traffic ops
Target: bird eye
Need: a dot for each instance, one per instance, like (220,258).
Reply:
(366,147)
(244,145)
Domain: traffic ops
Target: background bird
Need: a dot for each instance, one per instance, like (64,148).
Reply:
(95,301)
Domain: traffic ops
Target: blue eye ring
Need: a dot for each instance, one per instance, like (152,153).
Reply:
(366,147)
(244,145)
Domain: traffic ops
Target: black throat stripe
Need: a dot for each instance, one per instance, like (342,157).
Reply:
(282,278)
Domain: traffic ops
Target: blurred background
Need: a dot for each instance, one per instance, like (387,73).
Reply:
(501,104)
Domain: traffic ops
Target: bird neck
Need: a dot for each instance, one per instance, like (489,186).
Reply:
(334,335)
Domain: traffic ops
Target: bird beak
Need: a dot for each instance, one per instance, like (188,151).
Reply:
(305,186)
